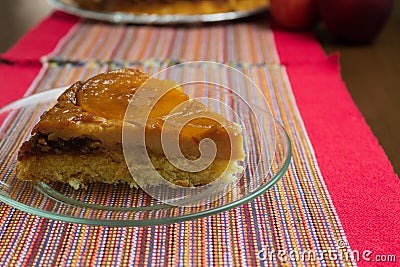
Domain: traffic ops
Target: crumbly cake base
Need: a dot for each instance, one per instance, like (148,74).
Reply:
(81,170)
(76,170)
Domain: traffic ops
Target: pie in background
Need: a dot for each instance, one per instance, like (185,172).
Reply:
(163,7)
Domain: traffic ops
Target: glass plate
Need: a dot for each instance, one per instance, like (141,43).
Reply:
(120,205)
(70,7)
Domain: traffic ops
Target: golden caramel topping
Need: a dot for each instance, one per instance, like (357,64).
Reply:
(167,103)
(96,109)
(107,94)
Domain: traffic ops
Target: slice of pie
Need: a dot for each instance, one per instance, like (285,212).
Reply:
(79,140)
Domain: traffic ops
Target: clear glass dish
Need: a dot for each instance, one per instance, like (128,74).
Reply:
(268,152)
(70,7)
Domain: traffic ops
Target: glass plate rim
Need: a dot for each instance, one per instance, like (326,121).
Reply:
(150,222)
(124,17)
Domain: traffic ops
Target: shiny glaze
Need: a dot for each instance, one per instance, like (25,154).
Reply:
(96,109)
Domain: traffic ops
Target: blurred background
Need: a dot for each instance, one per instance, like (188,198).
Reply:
(17,17)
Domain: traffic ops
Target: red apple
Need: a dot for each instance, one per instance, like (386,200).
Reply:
(357,21)
(294,14)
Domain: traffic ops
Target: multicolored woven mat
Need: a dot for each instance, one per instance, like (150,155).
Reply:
(295,223)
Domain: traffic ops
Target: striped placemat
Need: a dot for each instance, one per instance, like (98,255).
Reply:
(244,43)
(294,223)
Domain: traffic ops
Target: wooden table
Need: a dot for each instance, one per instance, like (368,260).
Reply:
(372,73)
